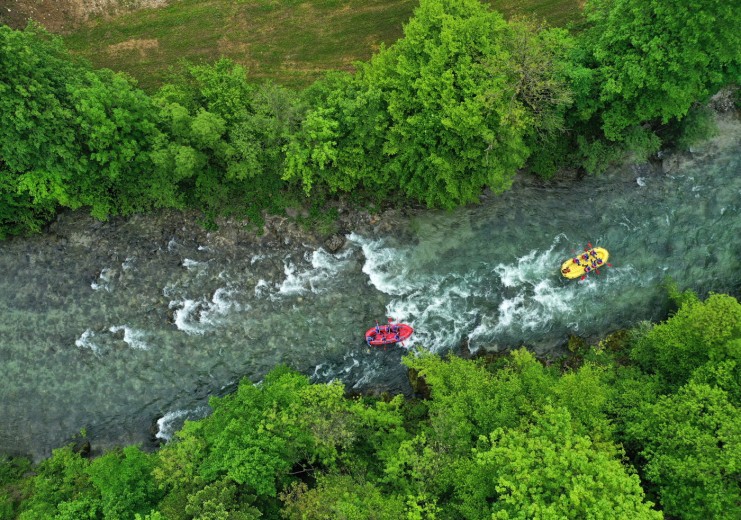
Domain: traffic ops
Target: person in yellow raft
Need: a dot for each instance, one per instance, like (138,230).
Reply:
(587,262)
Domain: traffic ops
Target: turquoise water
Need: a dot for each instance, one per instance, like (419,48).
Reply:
(125,328)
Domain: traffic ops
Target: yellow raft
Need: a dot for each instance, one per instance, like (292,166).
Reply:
(570,269)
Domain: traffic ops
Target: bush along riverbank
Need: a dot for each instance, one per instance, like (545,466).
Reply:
(460,103)
(643,424)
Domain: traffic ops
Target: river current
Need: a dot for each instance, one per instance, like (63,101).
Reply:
(125,328)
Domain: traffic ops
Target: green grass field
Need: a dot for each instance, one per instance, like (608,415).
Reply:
(289,41)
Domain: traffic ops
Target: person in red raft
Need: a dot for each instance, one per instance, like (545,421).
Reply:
(388,334)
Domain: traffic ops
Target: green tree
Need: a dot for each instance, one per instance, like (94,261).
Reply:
(340,140)
(227,138)
(117,130)
(12,470)
(469,401)
(439,115)
(642,64)
(125,482)
(72,136)
(699,332)
(341,497)
(36,160)
(546,470)
(19,213)
(725,375)
(586,393)
(221,500)
(691,442)
(452,126)
(541,69)
(257,435)
(62,487)
(653,61)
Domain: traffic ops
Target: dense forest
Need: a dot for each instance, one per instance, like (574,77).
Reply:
(645,424)
(460,103)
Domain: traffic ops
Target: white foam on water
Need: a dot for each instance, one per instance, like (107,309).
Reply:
(262,288)
(169,423)
(86,341)
(540,296)
(641,181)
(385,267)
(438,306)
(172,244)
(355,363)
(201,316)
(487,304)
(528,269)
(105,278)
(321,269)
(319,371)
(440,309)
(132,337)
(128,264)
(183,316)
(368,376)
(257,258)
(190,264)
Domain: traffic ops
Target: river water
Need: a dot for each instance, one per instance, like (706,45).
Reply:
(125,328)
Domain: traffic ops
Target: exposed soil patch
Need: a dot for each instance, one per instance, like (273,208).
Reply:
(140,46)
(62,16)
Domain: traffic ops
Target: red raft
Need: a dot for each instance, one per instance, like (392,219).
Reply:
(388,334)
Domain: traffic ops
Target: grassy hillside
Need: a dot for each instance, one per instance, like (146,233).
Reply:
(289,41)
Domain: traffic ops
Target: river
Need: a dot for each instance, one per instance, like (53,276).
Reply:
(125,328)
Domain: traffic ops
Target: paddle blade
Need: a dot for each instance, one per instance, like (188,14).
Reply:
(609,265)
(583,278)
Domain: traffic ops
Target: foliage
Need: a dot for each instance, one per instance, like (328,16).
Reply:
(542,69)
(653,62)
(697,333)
(34,127)
(12,470)
(226,138)
(468,401)
(221,501)
(60,481)
(699,125)
(724,375)
(440,114)
(340,496)
(72,136)
(125,482)
(261,435)
(692,445)
(642,63)
(548,471)
(19,214)
(586,393)
(455,106)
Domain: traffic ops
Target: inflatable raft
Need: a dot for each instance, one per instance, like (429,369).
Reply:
(589,261)
(388,334)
